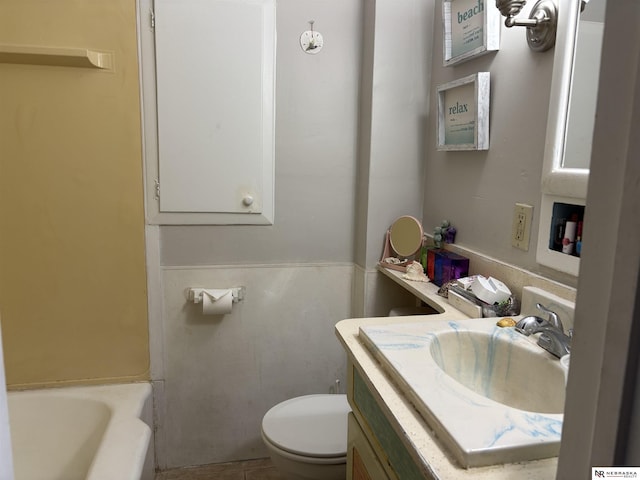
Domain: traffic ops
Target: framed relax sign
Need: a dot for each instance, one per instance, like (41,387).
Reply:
(470,28)
(463,113)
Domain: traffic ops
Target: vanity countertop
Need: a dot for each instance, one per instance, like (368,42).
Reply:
(417,436)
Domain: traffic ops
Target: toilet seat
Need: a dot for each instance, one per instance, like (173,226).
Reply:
(309,426)
(306,459)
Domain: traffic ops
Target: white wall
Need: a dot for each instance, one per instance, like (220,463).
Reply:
(393,118)
(477,191)
(316,140)
(219,376)
(222,373)
(394,92)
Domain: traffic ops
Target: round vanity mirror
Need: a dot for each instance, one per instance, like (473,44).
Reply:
(405,236)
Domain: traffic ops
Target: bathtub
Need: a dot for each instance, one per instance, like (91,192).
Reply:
(78,433)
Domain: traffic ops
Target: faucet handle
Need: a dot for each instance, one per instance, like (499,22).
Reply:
(554,319)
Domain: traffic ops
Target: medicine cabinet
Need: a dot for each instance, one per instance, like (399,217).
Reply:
(208,81)
(571,118)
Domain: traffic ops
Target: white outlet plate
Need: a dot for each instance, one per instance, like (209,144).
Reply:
(521,229)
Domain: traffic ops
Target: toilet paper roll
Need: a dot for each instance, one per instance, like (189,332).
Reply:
(217,302)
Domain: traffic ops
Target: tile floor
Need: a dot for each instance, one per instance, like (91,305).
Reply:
(261,469)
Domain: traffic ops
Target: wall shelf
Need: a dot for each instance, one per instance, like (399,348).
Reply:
(66,57)
(544,254)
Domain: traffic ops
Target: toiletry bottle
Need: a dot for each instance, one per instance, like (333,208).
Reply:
(558,234)
(579,239)
(569,235)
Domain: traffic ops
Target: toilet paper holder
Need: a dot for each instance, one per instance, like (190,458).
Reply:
(195,294)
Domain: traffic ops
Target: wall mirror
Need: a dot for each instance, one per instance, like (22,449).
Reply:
(572,105)
(584,87)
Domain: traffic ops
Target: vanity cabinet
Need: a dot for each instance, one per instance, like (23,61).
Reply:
(375,450)
(388,439)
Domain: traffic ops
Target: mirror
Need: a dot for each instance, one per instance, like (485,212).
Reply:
(572,106)
(402,241)
(572,102)
(584,86)
(405,236)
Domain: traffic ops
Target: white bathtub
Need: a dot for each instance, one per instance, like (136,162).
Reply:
(78,433)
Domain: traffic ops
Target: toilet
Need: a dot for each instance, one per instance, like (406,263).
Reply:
(307,437)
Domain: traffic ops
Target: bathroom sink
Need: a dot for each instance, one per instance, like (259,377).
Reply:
(500,369)
(490,394)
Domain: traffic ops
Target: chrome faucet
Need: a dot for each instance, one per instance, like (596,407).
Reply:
(552,336)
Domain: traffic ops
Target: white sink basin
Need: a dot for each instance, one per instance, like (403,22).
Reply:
(490,394)
(496,367)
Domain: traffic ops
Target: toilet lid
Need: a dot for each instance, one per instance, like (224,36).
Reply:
(312,425)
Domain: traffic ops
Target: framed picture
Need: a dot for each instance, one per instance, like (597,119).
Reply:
(463,113)
(470,28)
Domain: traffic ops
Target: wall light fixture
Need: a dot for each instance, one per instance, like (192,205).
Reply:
(541,24)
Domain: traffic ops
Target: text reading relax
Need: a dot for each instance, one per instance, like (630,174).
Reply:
(457,108)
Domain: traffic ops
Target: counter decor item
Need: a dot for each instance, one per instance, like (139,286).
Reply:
(415,273)
(403,240)
(504,308)
(444,266)
(445,233)
(463,113)
(508,307)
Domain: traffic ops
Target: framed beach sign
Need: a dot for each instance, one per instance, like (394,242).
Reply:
(463,113)
(470,28)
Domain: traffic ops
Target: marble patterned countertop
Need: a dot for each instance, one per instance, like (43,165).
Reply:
(421,442)
(499,408)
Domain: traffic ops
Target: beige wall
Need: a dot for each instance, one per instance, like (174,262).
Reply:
(72,265)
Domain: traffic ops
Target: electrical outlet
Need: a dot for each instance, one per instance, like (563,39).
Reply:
(521,229)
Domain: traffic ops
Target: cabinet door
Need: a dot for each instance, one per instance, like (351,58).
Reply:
(215,78)
(389,448)
(362,462)
(359,470)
